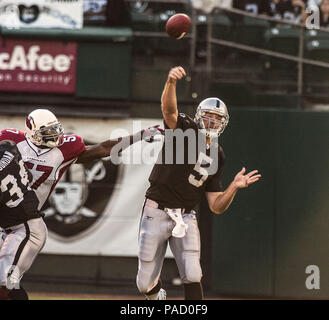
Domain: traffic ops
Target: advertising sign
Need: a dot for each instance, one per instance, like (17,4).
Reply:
(37,66)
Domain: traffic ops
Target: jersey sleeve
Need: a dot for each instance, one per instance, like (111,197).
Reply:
(184,122)
(214,184)
(72,147)
(12,134)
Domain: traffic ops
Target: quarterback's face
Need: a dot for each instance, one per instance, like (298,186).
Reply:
(67,197)
(211,120)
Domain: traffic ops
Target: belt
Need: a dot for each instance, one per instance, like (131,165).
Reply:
(156,205)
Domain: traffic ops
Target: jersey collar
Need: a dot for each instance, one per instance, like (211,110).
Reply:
(38,151)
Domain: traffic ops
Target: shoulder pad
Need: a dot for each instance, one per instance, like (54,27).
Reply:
(12,134)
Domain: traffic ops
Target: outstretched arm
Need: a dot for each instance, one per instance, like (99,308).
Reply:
(104,148)
(220,201)
(169,99)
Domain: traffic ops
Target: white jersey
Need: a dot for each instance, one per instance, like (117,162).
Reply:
(46,165)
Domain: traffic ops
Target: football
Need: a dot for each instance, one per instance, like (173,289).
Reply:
(178,25)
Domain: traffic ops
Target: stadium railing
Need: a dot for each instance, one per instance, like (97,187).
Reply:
(289,44)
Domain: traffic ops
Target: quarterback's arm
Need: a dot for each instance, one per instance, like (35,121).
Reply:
(169,99)
(220,201)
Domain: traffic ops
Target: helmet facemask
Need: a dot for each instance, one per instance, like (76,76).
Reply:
(212,127)
(50,136)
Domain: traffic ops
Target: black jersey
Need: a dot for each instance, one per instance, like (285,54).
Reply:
(18,203)
(180,184)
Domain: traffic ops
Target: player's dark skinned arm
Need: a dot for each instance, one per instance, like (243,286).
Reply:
(220,201)
(169,99)
(103,149)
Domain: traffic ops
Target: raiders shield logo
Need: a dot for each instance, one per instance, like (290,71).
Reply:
(79,199)
(28,14)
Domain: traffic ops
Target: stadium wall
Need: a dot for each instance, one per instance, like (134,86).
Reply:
(276,228)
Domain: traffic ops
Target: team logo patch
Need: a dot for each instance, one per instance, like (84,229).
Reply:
(79,199)
(28,14)
(30,123)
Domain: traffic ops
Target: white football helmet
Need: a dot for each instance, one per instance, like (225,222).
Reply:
(211,127)
(43,128)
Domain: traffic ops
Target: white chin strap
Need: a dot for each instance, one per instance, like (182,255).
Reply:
(213,134)
(210,134)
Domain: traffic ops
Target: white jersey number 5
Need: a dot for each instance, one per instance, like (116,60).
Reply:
(202,171)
